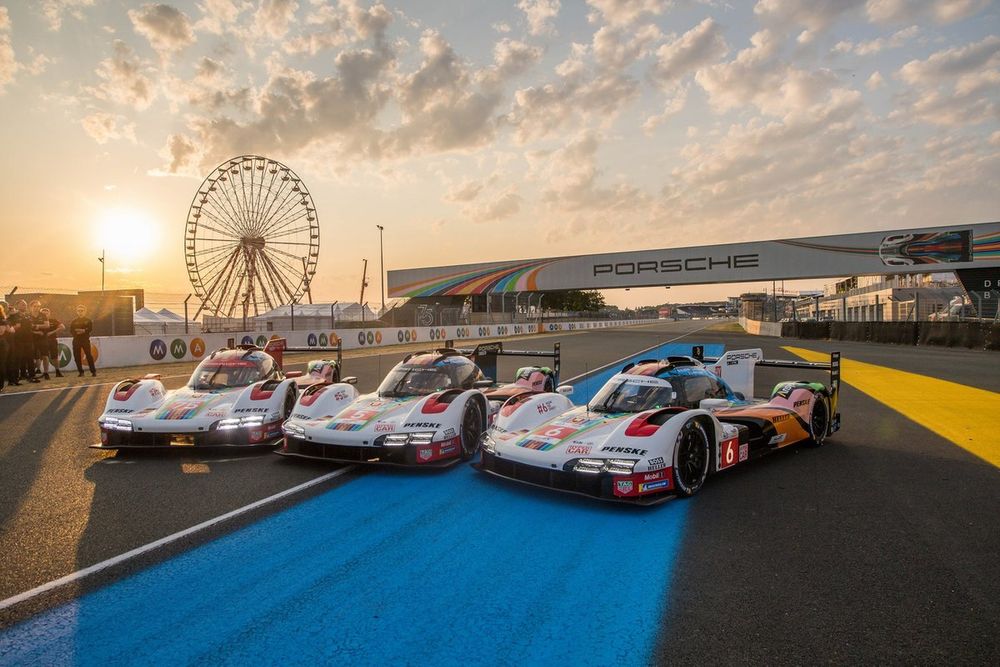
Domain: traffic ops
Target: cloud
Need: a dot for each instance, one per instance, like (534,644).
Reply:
(616,47)
(950,63)
(8,63)
(871,47)
(875,81)
(814,15)
(504,206)
(103,127)
(167,28)
(123,80)
(905,11)
(217,15)
(54,10)
(466,191)
(539,14)
(327,30)
(694,49)
(673,107)
(512,58)
(273,18)
(182,155)
(626,12)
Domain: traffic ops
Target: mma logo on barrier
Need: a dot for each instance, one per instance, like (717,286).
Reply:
(261,341)
(65,356)
(311,340)
(323,341)
(246,340)
(178,348)
(197,348)
(158,349)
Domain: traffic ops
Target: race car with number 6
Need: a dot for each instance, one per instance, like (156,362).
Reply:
(658,428)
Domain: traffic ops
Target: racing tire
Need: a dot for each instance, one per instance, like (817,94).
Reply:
(290,400)
(819,422)
(471,429)
(550,385)
(692,457)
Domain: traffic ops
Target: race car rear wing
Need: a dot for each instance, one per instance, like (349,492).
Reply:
(339,349)
(736,368)
(486,354)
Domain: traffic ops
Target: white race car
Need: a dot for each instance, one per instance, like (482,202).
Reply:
(235,397)
(658,428)
(430,410)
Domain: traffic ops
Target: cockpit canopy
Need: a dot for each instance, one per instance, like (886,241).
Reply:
(425,374)
(653,385)
(233,368)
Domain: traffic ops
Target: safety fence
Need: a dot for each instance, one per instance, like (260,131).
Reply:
(115,351)
(984,335)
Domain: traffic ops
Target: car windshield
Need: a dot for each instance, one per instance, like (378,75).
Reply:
(414,381)
(222,374)
(633,396)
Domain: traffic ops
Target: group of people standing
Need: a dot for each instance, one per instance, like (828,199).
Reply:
(29,345)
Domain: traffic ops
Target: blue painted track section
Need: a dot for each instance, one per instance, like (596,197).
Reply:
(394,567)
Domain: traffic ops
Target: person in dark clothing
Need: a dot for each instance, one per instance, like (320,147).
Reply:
(48,351)
(4,345)
(24,343)
(81,328)
(11,366)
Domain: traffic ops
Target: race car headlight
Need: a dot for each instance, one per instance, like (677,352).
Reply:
(226,424)
(242,422)
(116,424)
(488,444)
(293,429)
(613,466)
(401,439)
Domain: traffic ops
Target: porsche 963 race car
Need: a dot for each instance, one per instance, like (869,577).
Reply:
(658,428)
(430,410)
(236,397)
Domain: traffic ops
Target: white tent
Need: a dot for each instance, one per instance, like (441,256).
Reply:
(151,323)
(170,315)
(316,315)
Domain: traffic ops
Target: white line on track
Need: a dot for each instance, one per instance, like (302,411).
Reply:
(138,551)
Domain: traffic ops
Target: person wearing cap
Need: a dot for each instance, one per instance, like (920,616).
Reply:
(48,348)
(81,328)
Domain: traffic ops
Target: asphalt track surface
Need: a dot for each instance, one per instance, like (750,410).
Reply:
(884,545)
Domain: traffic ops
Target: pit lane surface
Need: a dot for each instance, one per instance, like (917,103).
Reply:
(880,546)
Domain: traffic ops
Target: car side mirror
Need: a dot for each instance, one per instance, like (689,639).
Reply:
(293,374)
(565,389)
(483,384)
(350,379)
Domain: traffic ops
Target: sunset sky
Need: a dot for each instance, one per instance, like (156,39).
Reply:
(479,130)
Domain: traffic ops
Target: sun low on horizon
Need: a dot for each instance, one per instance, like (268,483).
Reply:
(481,130)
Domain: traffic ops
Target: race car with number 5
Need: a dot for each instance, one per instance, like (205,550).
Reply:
(658,428)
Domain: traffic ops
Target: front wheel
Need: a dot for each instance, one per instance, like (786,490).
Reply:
(289,403)
(472,429)
(691,459)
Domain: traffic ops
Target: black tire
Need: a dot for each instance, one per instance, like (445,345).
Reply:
(692,457)
(550,384)
(819,422)
(471,429)
(289,403)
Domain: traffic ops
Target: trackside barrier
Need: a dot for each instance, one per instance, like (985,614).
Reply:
(114,351)
(760,328)
(983,335)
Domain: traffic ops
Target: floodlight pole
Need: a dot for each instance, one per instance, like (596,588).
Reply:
(381,266)
(101,260)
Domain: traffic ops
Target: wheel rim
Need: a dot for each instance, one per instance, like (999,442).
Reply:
(470,430)
(691,460)
(819,420)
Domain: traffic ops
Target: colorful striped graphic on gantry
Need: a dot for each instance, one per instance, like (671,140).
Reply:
(986,246)
(518,277)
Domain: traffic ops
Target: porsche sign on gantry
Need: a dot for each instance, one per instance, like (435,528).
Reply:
(972,251)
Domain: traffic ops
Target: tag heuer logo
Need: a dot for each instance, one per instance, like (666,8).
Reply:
(625,486)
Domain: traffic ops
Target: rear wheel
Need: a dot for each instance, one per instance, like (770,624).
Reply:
(472,429)
(819,421)
(289,403)
(691,459)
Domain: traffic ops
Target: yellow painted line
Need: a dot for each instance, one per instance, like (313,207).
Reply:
(966,416)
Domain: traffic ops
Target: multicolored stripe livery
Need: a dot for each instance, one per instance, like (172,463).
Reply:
(515,277)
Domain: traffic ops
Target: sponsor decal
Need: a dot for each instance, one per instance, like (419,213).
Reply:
(728,453)
(449,433)
(624,486)
(545,407)
(261,340)
(178,348)
(197,348)
(384,427)
(296,415)
(158,349)
(657,463)
(744,452)
(654,486)
(311,340)
(578,449)
(538,445)
(361,338)
(64,356)
(447,449)
(624,450)
(432,425)
(238,410)
(799,404)
(119,411)
(780,418)
(215,412)
(424,454)
(399,336)
(369,337)
(650,476)
(378,337)
(777,439)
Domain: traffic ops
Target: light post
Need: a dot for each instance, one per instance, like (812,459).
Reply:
(101,260)
(381,266)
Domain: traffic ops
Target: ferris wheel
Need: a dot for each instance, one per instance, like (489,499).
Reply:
(252,238)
